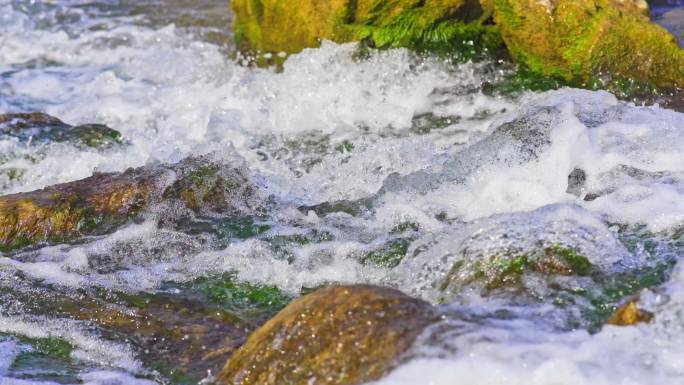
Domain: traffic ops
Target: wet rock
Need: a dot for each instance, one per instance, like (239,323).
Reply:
(502,273)
(576,181)
(675,101)
(673,21)
(205,187)
(629,314)
(102,202)
(183,332)
(89,206)
(37,127)
(290,26)
(517,141)
(353,208)
(590,41)
(335,335)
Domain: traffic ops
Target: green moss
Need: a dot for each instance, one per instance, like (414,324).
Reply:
(227,292)
(523,79)
(49,360)
(241,228)
(614,289)
(592,43)
(345,146)
(203,174)
(578,264)
(495,272)
(13,173)
(93,135)
(454,28)
(16,244)
(169,373)
(499,271)
(450,38)
(388,256)
(506,271)
(53,347)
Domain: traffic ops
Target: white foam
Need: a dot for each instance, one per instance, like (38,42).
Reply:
(522,353)
(88,347)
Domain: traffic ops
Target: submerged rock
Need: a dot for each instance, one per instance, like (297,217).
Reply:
(507,272)
(183,331)
(335,335)
(40,127)
(286,26)
(104,201)
(589,41)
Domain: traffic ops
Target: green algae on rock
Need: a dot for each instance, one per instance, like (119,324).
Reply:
(505,272)
(105,201)
(389,255)
(587,43)
(612,43)
(181,331)
(37,127)
(88,206)
(340,335)
(447,26)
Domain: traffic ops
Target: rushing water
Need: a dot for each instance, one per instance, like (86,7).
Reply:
(428,165)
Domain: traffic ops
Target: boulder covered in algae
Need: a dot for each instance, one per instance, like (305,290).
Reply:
(590,42)
(38,127)
(290,26)
(587,43)
(335,335)
(105,201)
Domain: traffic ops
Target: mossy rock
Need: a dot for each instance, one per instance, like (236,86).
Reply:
(105,201)
(38,127)
(501,272)
(453,26)
(389,256)
(182,331)
(585,42)
(338,335)
(88,206)
(210,187)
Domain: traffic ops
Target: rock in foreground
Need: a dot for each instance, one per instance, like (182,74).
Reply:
(338,335)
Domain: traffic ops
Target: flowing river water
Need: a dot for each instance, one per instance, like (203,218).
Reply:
(386,168)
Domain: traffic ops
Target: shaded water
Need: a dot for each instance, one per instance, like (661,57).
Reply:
(389,169)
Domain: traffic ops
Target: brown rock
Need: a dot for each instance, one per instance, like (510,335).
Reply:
(629,314)
(102,202)
(338,335)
